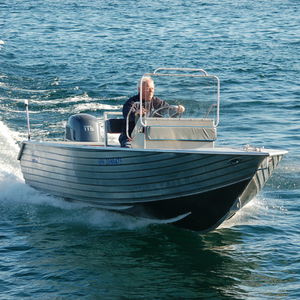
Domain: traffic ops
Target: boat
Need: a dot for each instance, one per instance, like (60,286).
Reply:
(173,172)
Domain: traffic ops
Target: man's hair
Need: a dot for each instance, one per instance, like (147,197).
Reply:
(142,80)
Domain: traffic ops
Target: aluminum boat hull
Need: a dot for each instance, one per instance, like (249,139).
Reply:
(194,189)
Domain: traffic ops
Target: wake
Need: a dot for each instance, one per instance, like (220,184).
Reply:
(9,166)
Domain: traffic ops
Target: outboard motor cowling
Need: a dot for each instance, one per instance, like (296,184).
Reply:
(83,128)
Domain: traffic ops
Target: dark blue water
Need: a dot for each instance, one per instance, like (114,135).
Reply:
(86,56)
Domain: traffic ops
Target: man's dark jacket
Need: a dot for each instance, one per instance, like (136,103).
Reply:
(132,102)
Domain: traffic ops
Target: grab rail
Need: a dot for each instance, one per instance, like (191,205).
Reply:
(28,120)
(180,69)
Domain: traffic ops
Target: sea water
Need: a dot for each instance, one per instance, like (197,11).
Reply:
(73,56)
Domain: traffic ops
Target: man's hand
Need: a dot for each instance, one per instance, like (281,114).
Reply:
(180,109)
(144,111)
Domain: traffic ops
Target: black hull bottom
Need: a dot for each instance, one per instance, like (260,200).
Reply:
(202,212)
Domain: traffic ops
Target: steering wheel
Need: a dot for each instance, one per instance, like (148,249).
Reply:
(166,111)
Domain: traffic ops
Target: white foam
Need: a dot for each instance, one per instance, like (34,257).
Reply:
(12,184)
(115,221)
(85,99)
(2,84)
(95,107)
(14,88)
(248,215)
(9,151)
(77,98)
(261,210)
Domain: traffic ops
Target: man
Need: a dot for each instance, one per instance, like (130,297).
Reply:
(150,104)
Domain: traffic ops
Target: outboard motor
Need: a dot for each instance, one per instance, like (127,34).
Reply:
(83,128)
